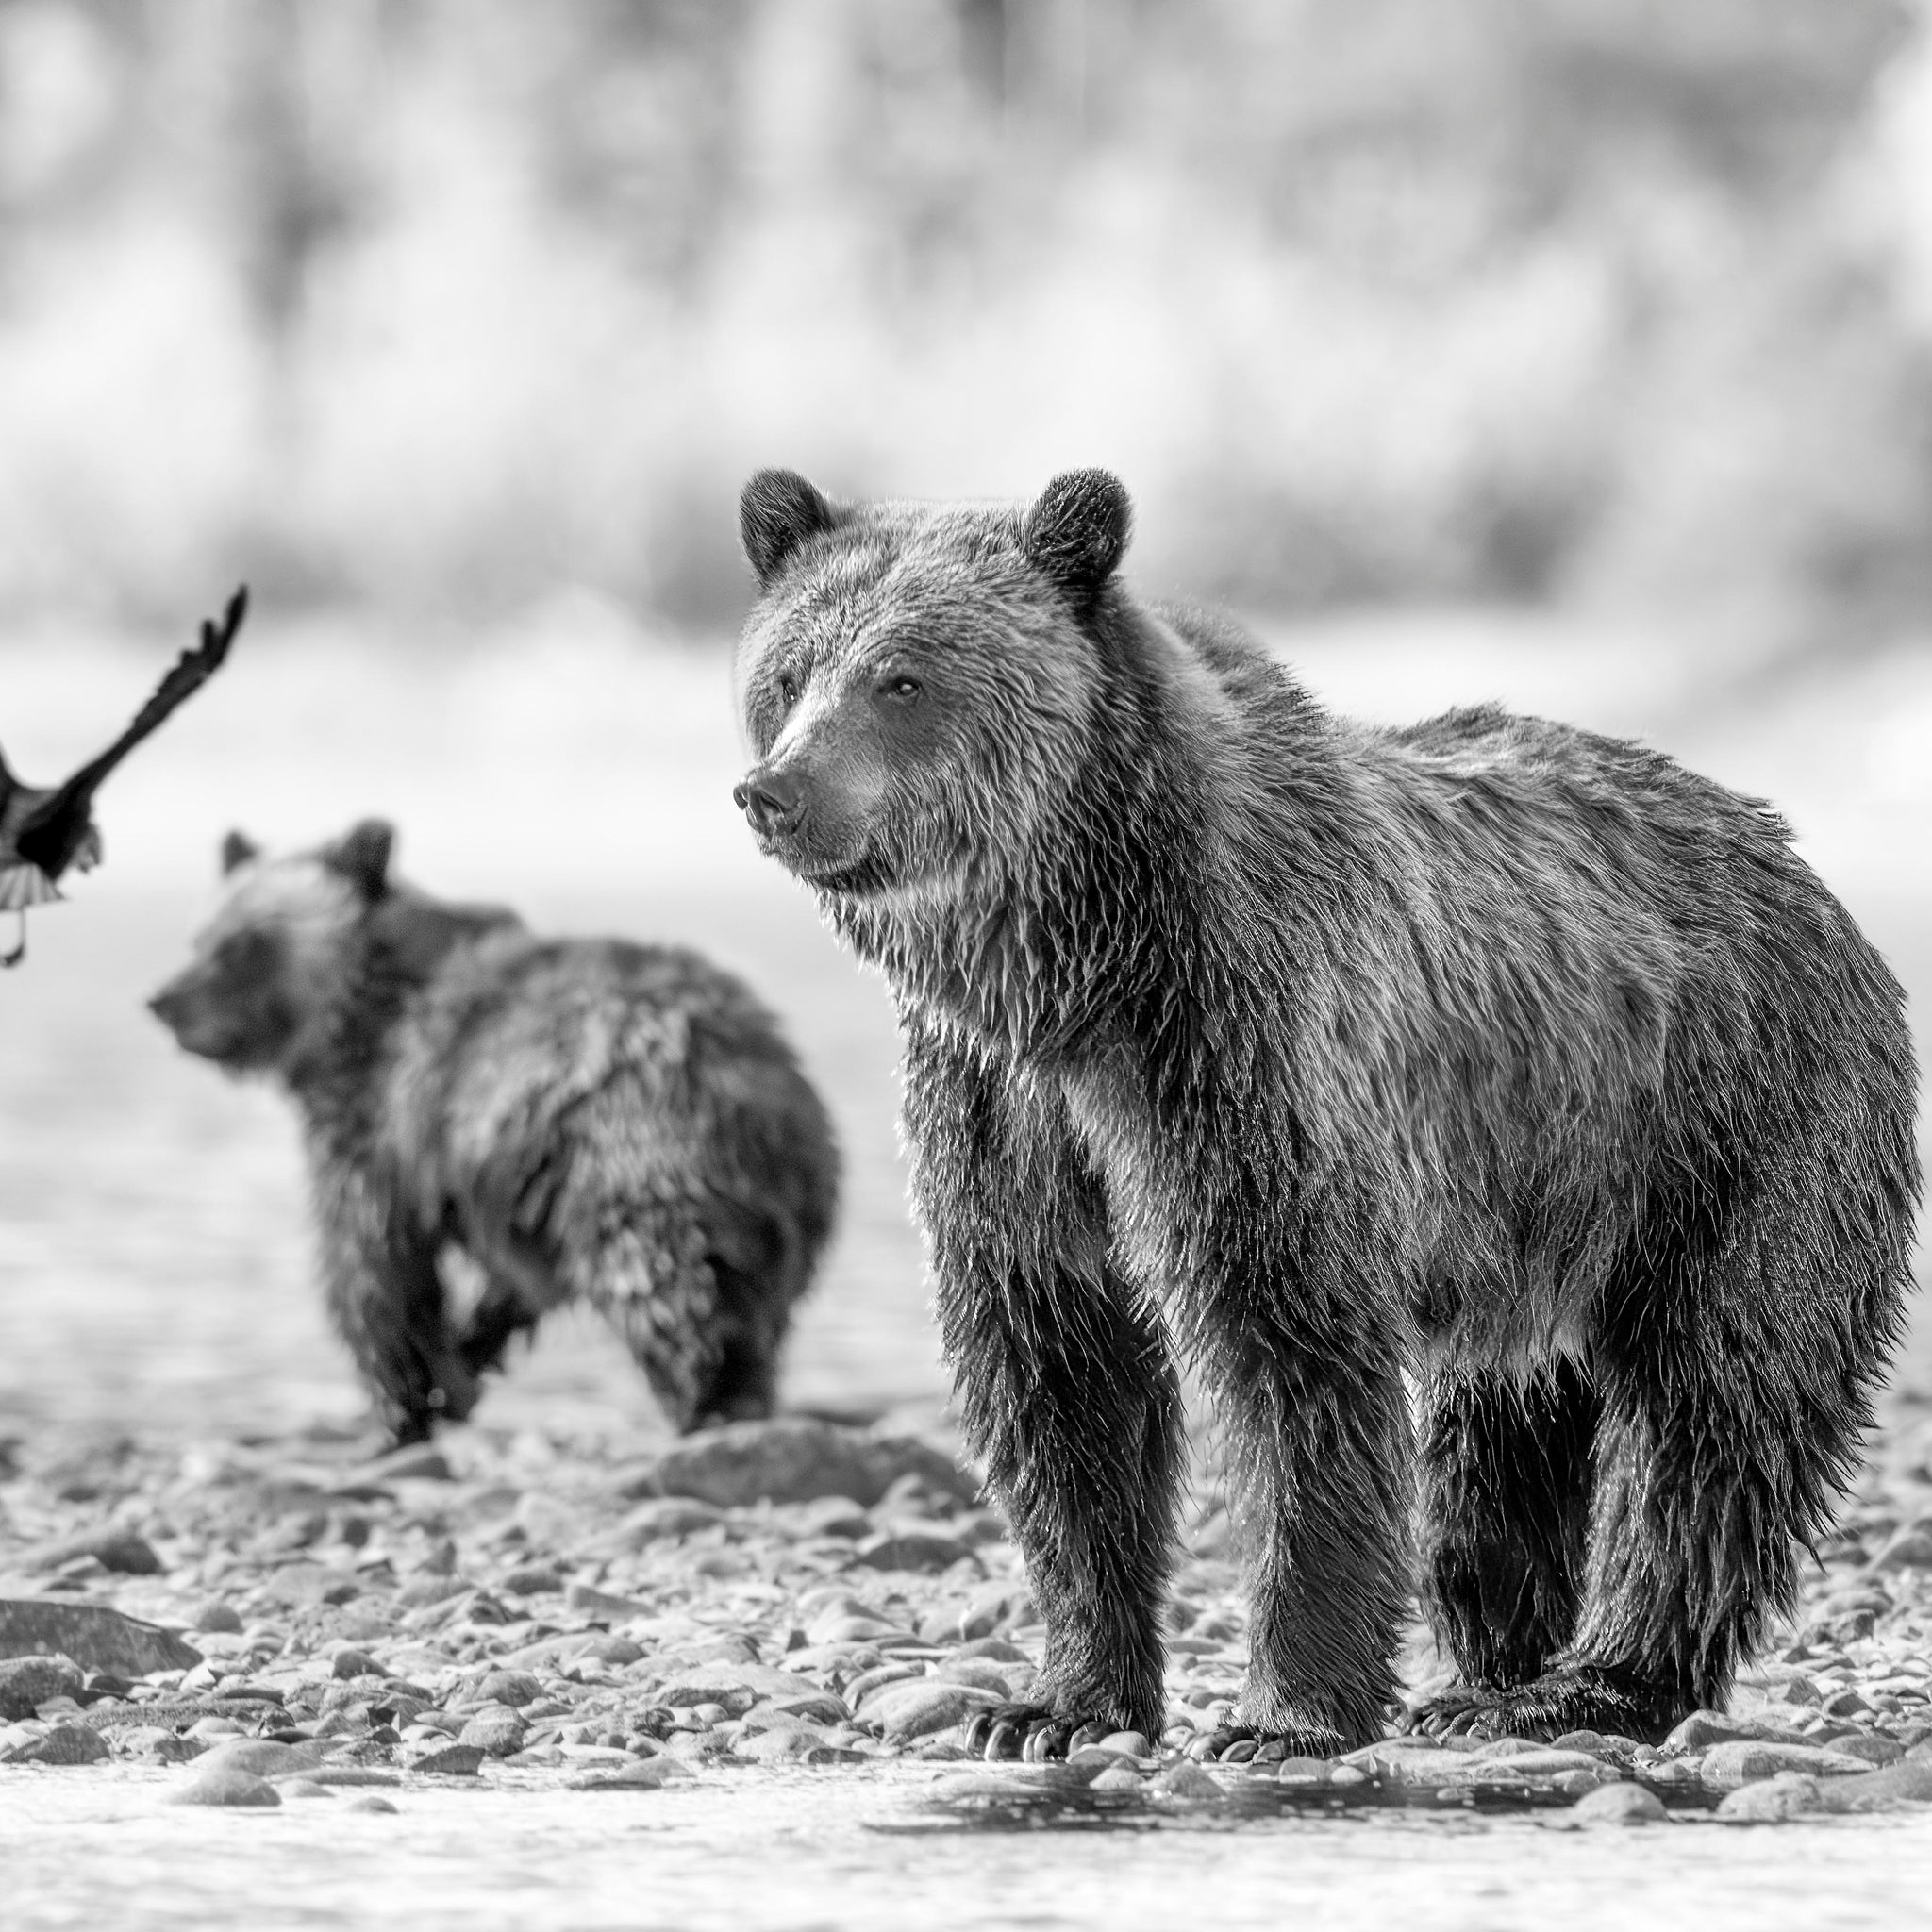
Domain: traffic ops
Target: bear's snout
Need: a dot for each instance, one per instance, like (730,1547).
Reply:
(171,1006)
(773,801)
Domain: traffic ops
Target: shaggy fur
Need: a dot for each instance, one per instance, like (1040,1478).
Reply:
(586,1119)
(1518,1061)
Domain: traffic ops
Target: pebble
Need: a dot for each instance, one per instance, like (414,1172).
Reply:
(117,1550)
(370,1803)
(640,1774)
(1727,1766)
(60,1745)
(92,1636)
(29,1682)
(390,1621)
(225,1786)
(496,1733)
(1188,1780)
(262,1758)
(1617,1804)
(1788,1795)
(923,1706)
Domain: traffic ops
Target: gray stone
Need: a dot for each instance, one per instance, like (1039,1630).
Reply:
(1788,1795)
(599,1602)
(26,1683)
(664,1518)
(370,1803)
(1874,1747)
(1188,1780)
(1877,1791)
(1617,1804)
(225,1786)
(1703,1729)
(309,1585)
(793,1459)
(415,1463)
(1748,1761)
(1911,1549)
(262,1758)
(118,1549)
(450,1761)
(512,1688)
(912,1549)
(640,1774)
(94,1636)
(921,1706)
(497,1733)
(59,1744)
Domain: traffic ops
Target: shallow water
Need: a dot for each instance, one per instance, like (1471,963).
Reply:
(863,1849)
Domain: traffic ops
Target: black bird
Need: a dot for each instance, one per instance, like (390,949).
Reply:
(43,830)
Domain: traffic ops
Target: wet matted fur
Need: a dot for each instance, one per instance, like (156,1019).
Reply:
(1513,1061)
(587,1119)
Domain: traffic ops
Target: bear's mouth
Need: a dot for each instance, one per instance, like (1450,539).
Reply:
(853,877)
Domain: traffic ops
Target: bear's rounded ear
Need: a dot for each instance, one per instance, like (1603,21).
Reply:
(1077,532)
(776,512)
(238,848)
(361,855)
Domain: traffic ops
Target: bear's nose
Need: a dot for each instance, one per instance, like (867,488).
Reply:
(773,801)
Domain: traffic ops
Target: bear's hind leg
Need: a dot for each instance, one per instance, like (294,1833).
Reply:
(499,1317)
(646,1271)
(1506,1487)
(1735,1370)
(743,1385)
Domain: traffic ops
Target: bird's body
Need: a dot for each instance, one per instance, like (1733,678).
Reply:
(45,830)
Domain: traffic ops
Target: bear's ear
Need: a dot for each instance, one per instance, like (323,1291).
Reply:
(238,848)
(1077,532)
(361,855)
(776,512)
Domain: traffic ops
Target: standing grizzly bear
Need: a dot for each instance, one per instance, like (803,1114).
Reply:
(585,1118)
(1487,1050)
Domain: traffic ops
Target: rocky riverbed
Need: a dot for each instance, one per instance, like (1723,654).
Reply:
(269,1622)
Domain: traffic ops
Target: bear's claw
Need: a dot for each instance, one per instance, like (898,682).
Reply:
(1573,1697)
(1034,1732)
(1251,1744)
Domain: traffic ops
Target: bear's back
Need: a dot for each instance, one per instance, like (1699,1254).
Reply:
(520,1045)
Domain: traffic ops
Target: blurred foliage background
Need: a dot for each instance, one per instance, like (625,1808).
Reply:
(1573,353)
(436,305)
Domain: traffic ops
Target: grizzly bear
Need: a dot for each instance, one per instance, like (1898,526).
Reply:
(586,1119)
(1486,1055)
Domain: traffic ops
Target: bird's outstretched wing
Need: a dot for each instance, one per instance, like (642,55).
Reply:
(53,833)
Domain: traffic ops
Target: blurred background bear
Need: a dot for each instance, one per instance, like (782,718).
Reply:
(586,1120)
(1573,354)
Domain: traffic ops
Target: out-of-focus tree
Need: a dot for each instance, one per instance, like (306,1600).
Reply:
(447,302)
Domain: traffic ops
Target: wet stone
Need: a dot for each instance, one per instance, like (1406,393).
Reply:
(26,1683)
(227,1786)
(118,1551)
(1788,1795)
(1727,1766)
(1618,1805)
(59,1744)
(92,1636)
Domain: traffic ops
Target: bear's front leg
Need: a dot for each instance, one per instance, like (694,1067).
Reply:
(1066,1389)
(1315,1416)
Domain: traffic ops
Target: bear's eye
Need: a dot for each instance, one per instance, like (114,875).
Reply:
(900,684)
(788,689)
